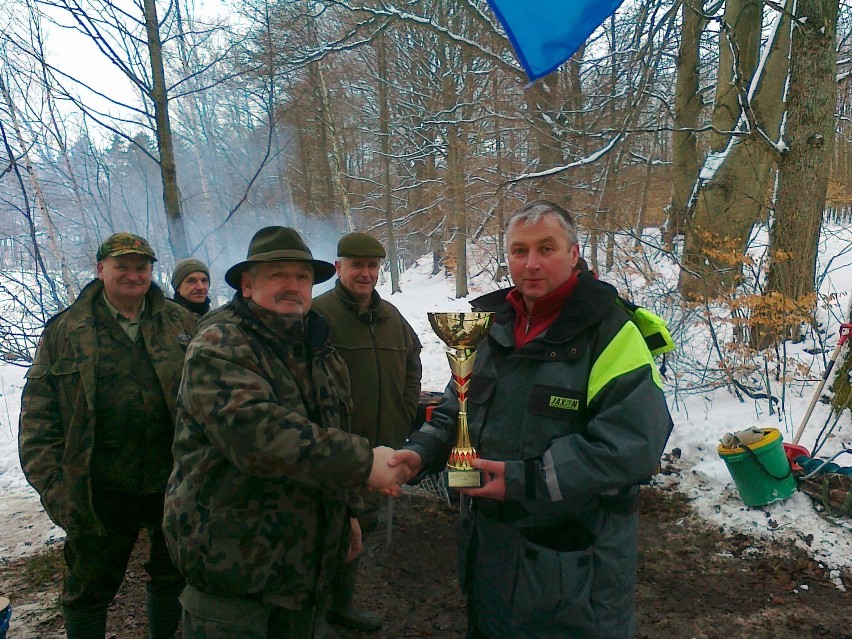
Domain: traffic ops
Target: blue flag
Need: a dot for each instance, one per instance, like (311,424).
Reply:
(545,33)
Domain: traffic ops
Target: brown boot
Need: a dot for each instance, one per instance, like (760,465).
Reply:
(341,610)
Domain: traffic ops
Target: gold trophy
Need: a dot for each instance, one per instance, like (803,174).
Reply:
(462,332)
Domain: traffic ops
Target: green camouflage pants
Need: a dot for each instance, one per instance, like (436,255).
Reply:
(96,563)
(207,616)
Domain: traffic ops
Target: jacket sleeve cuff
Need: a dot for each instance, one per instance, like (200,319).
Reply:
(355,503)
(516,484)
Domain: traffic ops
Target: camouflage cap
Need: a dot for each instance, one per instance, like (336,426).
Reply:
(125,244)
(360,245)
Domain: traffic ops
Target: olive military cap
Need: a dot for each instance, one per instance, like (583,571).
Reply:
(278,244)
(125,244)
(360,245)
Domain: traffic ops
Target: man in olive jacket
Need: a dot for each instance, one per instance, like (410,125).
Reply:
(566,410)
(267,478)
(97,423)
(382,353)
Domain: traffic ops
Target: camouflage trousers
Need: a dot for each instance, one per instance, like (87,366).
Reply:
(207,616)
(96,563)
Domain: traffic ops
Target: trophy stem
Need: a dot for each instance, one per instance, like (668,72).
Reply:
(461,364)
(463,454)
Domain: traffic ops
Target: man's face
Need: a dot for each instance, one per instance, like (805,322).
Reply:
(283,287)
(195,287)
(358,275)
(540,258)
(126,278)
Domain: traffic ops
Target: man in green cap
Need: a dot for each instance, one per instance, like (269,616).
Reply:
(382,353)
(96,430)
(191,282)
(260,509)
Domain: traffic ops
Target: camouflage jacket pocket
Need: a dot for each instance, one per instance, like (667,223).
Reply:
(251,552)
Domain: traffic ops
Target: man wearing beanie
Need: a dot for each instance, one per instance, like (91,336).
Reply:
(191,282)
(97,425)
(382,353)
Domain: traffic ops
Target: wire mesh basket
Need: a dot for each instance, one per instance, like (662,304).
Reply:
(431,487)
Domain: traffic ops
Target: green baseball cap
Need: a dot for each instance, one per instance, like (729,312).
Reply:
(125,244)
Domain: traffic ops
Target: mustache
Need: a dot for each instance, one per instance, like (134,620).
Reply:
(289,297)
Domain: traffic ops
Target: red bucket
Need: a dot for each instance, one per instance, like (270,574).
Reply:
(794,450)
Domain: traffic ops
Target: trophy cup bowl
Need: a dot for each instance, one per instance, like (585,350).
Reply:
(462,332)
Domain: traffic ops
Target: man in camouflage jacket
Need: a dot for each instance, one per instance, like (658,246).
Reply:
(267,477)
(97,422)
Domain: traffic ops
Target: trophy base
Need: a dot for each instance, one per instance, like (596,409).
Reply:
(463,478)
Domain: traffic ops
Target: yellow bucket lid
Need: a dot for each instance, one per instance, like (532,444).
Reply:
(770,435)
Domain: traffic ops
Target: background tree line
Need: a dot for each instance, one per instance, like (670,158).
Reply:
(721,124)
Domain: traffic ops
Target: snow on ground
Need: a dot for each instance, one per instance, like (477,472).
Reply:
(700,420)
(24,527)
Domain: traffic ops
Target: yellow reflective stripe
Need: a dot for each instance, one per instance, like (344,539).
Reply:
(626,352)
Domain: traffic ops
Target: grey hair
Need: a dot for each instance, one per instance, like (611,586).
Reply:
(533,212)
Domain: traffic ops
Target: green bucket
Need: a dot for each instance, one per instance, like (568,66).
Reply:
(761,470)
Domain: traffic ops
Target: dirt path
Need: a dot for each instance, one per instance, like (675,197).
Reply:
(694,583)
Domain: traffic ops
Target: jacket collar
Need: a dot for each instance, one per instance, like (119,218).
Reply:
(80,312)
(589,303)
(312,328)
(373,312)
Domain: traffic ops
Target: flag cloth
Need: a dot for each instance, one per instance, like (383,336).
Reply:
(545,33)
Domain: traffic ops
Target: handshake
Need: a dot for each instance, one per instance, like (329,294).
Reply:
(392,468)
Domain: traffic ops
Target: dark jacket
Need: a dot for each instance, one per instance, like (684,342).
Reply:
(579,417)
(382,353)
(58,409)
(259,499)
(200,310)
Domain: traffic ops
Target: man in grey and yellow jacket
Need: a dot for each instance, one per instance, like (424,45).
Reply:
(567,413)
(382,353)
(267,478)
(97,423)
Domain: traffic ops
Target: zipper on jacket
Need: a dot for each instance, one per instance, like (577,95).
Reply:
(378,375)
(527,327)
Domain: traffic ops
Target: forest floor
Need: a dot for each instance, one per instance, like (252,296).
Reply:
(694,583)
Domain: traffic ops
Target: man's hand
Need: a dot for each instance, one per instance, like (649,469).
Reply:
(383,477)
(407,460)
(494,473)
(356,540)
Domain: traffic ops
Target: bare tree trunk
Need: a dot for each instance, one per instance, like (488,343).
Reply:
(455,168)
(384,135)
(194,116)
(739,49)
(803,171)
(168,169)
(687,114)
(643,206)
(544,106)
(500,207)
(336,164)
(727,205)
